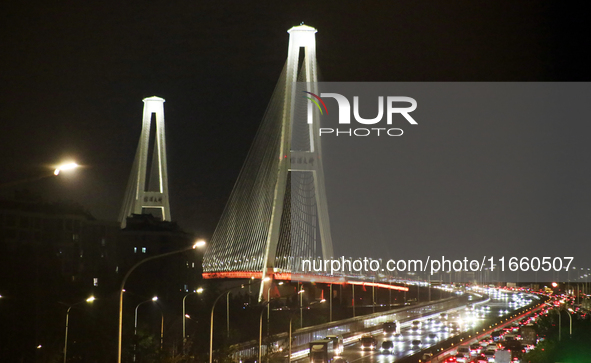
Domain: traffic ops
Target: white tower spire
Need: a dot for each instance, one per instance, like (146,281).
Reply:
(149,191)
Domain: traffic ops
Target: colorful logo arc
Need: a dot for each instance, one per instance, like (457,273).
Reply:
(316,103)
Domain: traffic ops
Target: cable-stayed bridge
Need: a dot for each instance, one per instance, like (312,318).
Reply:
(277,213)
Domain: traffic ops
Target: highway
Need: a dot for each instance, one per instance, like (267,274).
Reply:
(432,330)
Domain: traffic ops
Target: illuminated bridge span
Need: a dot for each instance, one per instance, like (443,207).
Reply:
(277,213)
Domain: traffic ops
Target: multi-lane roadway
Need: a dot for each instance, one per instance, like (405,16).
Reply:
(415,337)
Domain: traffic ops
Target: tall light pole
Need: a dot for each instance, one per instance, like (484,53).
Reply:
(301,301)
(289,356)
(261,330)
(353,298)
(373,299)
(199,244)
(56,172)
(155,298)
(569,310)
(198,291)
(559,325)
(211,320)
(90,299)
(330,304)
(64,167)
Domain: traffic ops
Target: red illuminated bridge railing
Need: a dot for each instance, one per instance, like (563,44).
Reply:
(286,276)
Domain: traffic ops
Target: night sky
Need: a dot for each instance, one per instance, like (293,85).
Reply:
(74,75)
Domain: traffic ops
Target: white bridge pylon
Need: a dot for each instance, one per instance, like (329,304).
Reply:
(148,188)
(301,36)
(277,213)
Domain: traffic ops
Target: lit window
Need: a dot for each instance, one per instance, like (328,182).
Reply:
(95,281)
(135,250)
(193,265)
(143,249)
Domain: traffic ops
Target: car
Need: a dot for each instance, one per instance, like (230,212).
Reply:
(461,358)
(368,342)
(451,359)
(387,346)
(492,347)
(340,360)
(432,336)
(464,350)
(489,355)
(475,349)
(337,343)
(416,342)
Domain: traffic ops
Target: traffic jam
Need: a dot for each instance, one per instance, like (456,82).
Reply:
(503,342)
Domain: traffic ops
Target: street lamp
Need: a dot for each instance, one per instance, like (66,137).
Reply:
(185,315)
(59,168)
(211,319)
(569,311)
(261,330)
(63,167)
(89,300)
(155,298)
(200,244)
(122,288)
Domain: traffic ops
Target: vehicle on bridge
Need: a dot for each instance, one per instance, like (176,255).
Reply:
(391,328)
(464,350)
(368,342)
(387,346)
(496,335)
(489,355)
(528,334)
(321,351)
(337,343)
(475,349)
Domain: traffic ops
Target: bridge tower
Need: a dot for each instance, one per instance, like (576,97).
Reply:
(147,188)
(277,213)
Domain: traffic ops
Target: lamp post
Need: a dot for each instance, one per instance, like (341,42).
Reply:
(56,172)
(353,299)
(199,244)
(261,329)
(155,298)
(569,310)
(198,291)
(211,320)
(373,299)
(330,303)
(289,356)
(559,325)
(90,299)
(301,294)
